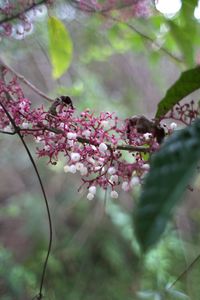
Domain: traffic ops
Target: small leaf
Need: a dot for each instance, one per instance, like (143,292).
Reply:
(188,82)
(60,46)
(170,171)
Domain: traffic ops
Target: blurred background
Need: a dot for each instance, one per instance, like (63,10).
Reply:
(122,66)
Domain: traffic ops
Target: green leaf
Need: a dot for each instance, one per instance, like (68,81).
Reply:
(183,38)
(184,30)
(171,169)
(60,46)
(188,82)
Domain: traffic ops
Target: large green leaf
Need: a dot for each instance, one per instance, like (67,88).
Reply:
(188,82)
(60,46)
(171,170)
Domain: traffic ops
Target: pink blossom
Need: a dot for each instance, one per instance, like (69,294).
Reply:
(90,148)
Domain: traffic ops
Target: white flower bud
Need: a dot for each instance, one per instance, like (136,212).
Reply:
(51,134)
(134,181)
(114,195)
(173,126)
(75,156)
(104,123)
(71,135)
(79,166)
(38,139)
(19,29)
(114,179)
(92,189)
(90,196)
(84,171)
(66,168)
(74,135)
(146,167)
(70,143)
(91,160)
(125,186)
(86,133)
(47,147)
(98,168)
(111,170)
(25,125)
(147,136)
(62,125)
(103,147)
(72,169)
(22,104)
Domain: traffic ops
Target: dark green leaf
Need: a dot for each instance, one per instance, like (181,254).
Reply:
(171,170)
(188,82)
(60,46)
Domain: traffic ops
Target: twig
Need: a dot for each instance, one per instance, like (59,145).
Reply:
(17,131)
(88,8)
(18,14)
(133,148)
(24,80)
(185,271)
(88,141)
(146,37)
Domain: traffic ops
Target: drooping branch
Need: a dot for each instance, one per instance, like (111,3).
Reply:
(147,38)
(18,132)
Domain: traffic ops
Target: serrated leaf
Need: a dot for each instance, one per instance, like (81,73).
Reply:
(188,82)
(60,46)
(171,170)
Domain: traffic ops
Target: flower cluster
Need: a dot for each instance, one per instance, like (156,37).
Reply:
(99,148)
(104,150)
(185,113)
(19,10)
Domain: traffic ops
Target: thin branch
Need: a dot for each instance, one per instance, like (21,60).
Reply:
(133,148)
(185,271)
(24,80)
(88,8)
(147,38)
(119,147)
(88,141)
(48,214)
(20,13)
(17,131)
